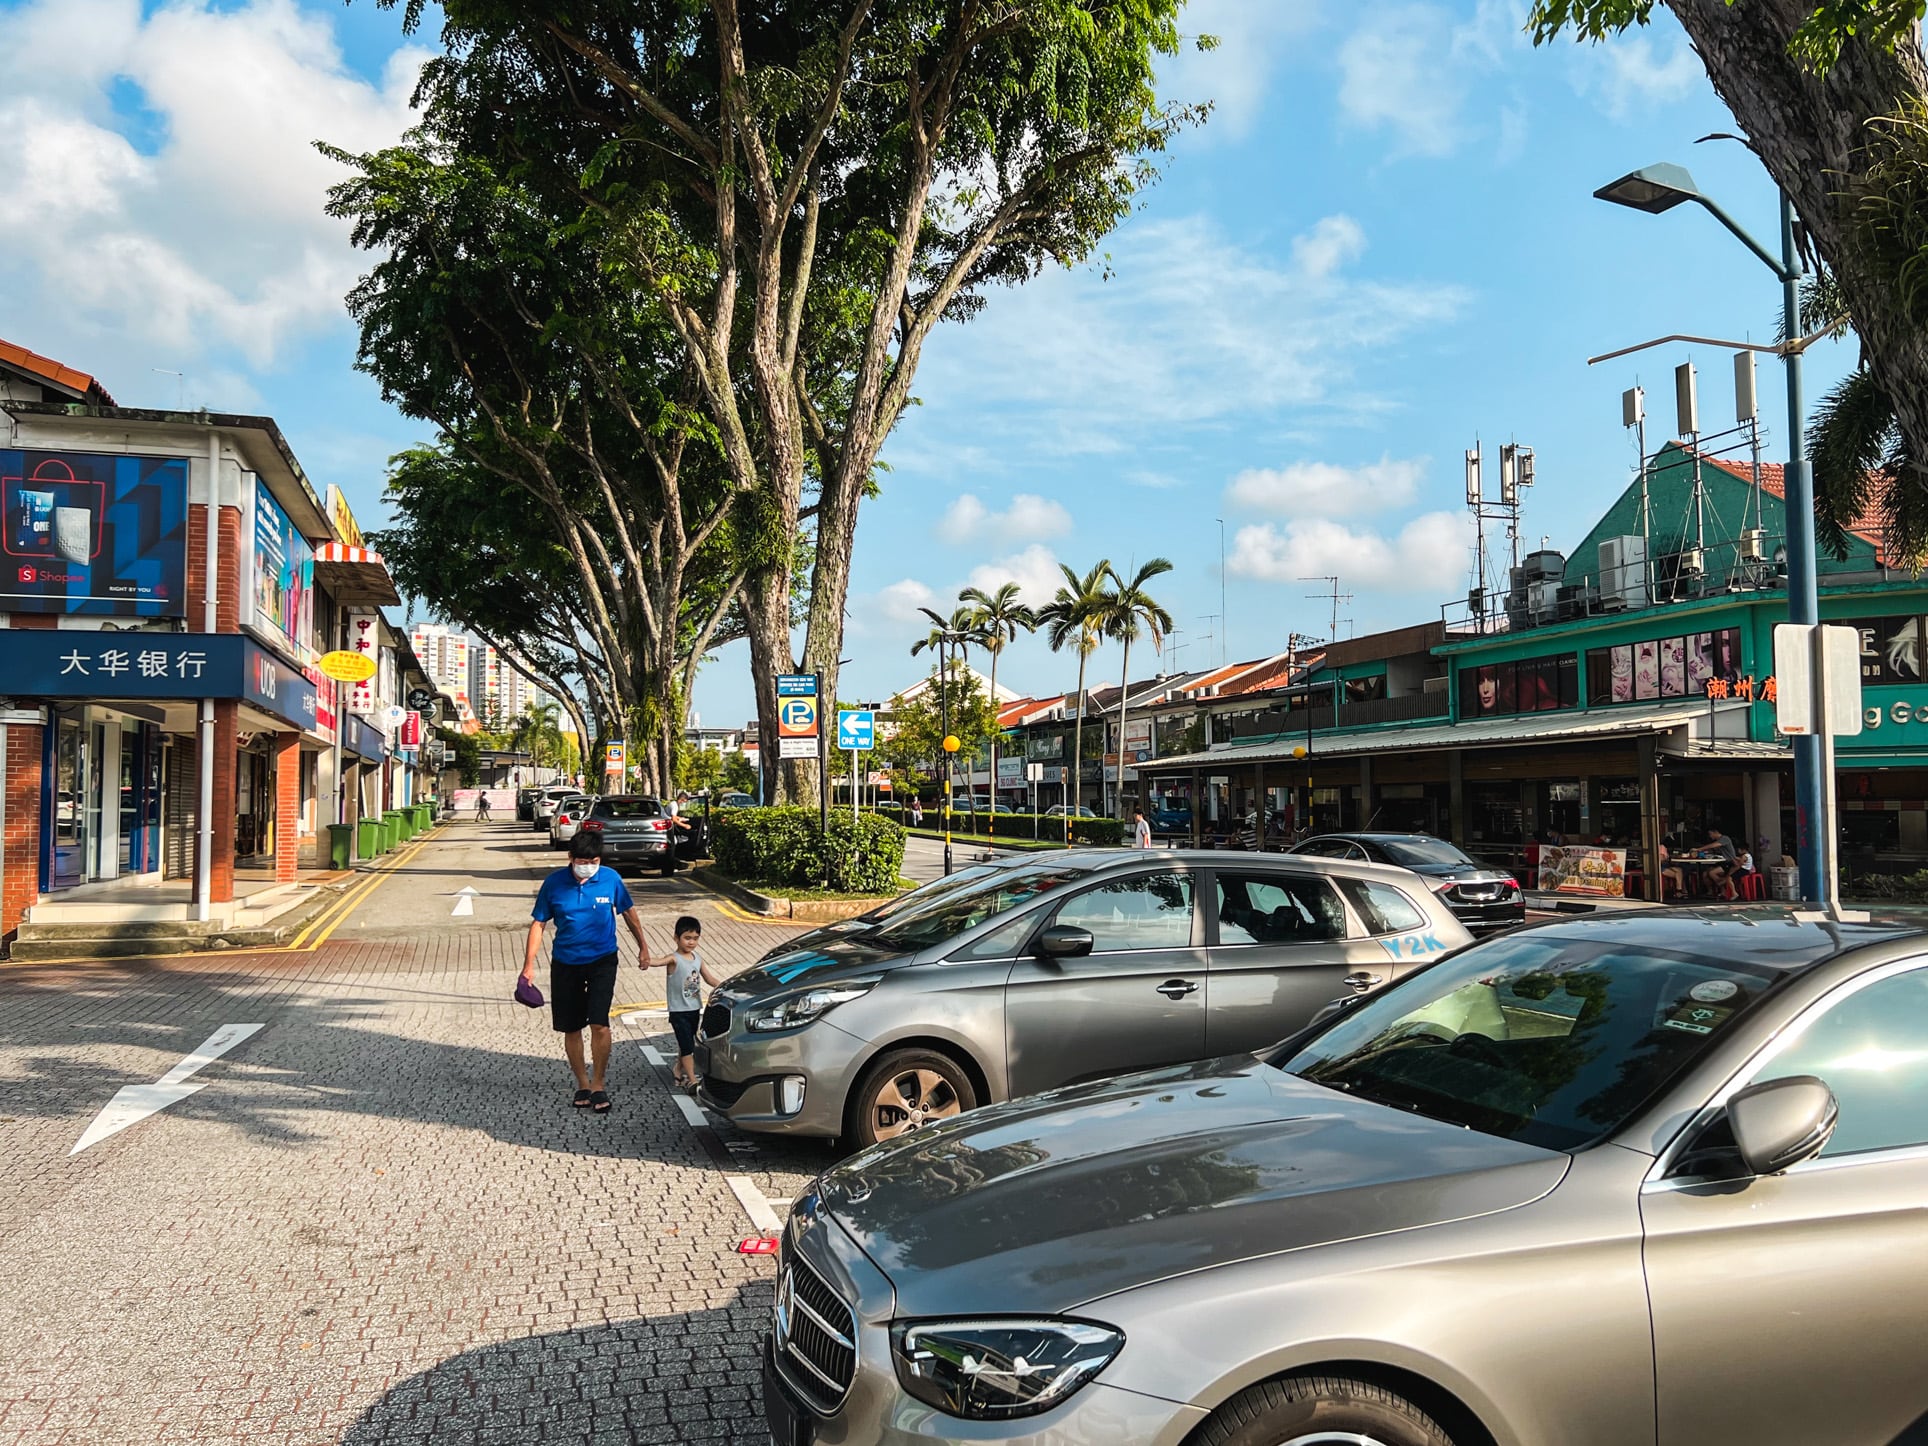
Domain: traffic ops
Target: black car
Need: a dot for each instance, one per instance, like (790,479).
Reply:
(1481,898)
(525,804)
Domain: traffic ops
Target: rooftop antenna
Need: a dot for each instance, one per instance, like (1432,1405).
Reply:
(1633,414)
(1751,552)
(1516,474)
(180,388)
(1693,561)
(1335,597)
(1225,618)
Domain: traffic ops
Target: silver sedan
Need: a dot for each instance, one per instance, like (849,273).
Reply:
(1049,969)
(1642,1179)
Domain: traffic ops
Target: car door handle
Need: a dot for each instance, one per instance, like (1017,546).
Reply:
(1177,988)
(1363,981)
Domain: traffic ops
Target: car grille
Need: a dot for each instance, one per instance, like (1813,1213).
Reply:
(817,1331)
(1478,893)
(716,1021)
(724,1092)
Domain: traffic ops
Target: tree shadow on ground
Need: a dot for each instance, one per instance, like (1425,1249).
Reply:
(691,1376)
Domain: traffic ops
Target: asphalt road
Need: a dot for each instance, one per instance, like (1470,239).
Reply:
(377,1219)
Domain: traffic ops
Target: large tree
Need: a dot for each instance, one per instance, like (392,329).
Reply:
(806,188)
(1831,97)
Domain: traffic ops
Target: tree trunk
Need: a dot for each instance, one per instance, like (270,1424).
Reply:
(991,827)
(1812,134)
(1075,792)
(1124,700)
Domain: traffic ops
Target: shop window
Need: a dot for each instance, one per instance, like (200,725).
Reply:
(1662,668)
(1532,685)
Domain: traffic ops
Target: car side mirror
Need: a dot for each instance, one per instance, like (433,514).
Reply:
(1064,941)
(1781,1122)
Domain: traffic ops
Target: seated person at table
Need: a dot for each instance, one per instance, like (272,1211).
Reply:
(1673,881)
(1721,848)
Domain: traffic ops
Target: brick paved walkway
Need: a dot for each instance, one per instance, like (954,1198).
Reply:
(380,1221)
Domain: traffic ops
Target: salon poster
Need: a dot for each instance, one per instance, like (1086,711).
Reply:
(284,572)
(93,533)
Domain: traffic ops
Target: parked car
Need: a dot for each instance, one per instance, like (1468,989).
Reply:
(1059,810)
(1645,1177)
(1053,969)
(568,818)
(634,831)
(1481,898)
(525,804)
(549,800)
(1170,821)
(734,800)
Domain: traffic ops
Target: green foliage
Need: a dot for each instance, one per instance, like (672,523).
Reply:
(739,774)
(1833,24)
(1097,832)
(464,753)
(916,742)
(1889,888)
(1890,201)
(697,768)
(786,847)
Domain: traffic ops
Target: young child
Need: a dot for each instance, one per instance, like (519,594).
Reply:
(683,969)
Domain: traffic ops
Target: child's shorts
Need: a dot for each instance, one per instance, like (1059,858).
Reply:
(684,1021)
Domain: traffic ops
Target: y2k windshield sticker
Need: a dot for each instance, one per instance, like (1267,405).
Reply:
(1412,946)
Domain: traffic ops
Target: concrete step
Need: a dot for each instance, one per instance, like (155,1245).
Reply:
(255,926)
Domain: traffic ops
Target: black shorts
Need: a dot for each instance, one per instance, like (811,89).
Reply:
(579,994)
(684,1022)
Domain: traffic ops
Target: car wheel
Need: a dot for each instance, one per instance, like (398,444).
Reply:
(906,1090)
(1321,1411)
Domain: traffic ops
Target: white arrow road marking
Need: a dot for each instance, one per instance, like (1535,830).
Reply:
(136,1102)
(463,905)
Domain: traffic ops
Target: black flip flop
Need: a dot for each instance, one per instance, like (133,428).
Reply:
(599,1103)
(582,1099)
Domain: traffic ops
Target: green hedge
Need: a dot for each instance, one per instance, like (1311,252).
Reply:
(786,847)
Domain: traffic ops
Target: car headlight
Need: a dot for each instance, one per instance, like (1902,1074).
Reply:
(802,1008)
(993,1370)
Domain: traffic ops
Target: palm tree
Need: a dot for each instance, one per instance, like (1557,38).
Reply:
(1127,611)
(1072,618)
(946,634)
(996,619)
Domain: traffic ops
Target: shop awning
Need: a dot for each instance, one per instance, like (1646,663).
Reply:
(356,576)
(1517,732)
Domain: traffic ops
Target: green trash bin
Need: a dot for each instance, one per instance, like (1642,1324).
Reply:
(368,838)
(391,829)
(341,845)
(406,815)
(424,817)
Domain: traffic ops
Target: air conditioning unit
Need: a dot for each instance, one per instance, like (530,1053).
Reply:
(1692,563)
(1753,544)
(1543,601)
(1623,574)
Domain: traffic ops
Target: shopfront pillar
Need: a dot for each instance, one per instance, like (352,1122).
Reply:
(1764,790)
(1646,755)
(226,764)
(1368,804)
(287,807)
(1456,797)
(20,754)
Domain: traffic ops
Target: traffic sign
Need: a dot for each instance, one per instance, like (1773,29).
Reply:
(796,685)
(796,748)
(856,729)
(797,718)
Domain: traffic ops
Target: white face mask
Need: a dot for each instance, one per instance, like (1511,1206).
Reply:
(585,869)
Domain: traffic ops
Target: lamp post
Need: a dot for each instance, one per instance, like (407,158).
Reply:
(1658,188)
(951,746)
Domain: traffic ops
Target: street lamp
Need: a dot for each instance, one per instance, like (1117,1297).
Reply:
(1658,188)
(951,745)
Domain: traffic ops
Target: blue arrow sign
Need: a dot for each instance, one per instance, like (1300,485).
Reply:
(856,729)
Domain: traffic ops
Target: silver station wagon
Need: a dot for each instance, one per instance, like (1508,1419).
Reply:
(1048,970)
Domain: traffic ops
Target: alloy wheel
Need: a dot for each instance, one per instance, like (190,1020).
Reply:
(911,1100)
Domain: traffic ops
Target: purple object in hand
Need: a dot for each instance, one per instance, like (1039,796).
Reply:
(527,993)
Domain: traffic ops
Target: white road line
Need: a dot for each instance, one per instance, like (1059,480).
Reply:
(135,1103)
(755,1204)
(654,1056)
(692,1111)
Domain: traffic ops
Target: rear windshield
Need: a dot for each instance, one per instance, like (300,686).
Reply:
(1419,853)
(629,808)
(1547,1040)
(944,915)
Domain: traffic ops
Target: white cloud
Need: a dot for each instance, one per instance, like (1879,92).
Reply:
(1034,570)
(901,600)
(1628,76)
(1192,332)
(1237,75)
(1412,71)
(199,242)
(1429,555)
(1028,517)
(1325,489)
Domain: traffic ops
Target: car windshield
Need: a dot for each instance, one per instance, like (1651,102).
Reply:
(1550,1040)
(1424,853)
(918,897)
(945,915)
(629,808)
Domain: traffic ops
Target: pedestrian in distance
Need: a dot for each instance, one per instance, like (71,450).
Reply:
(482,808)
(1140,830)
(916,813)
(583,901)
(684,972)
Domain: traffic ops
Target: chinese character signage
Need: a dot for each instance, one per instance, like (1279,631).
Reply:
(284,572)
(364,637)
(69,664)
(93,533)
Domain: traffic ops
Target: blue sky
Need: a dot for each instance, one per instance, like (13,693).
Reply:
(1381,247)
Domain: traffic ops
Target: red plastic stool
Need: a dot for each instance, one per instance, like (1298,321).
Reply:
(1753,887)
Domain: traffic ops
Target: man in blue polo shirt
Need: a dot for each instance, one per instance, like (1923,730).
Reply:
(583,901)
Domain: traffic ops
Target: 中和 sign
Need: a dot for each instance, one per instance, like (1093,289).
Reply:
(87,533)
